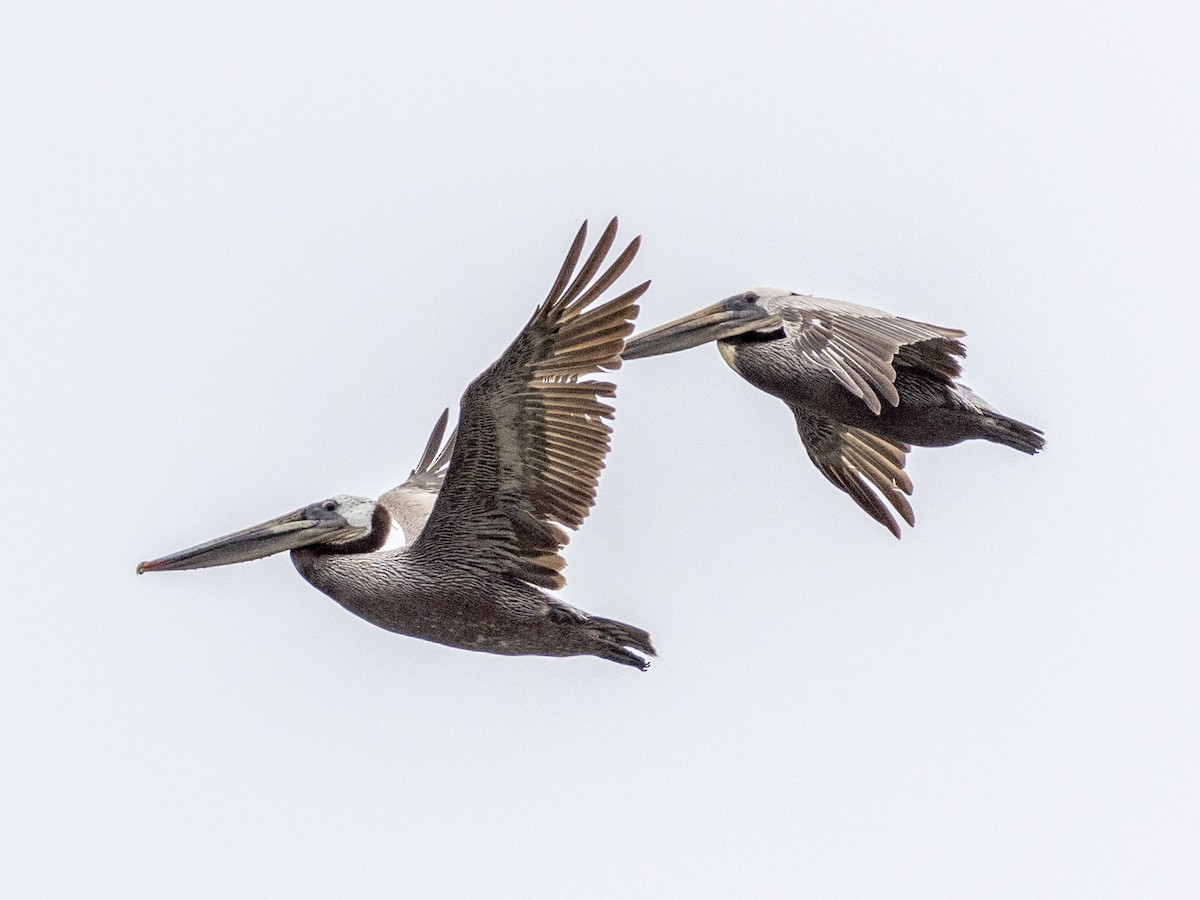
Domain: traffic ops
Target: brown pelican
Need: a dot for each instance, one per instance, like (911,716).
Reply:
(525,462)
(863,385)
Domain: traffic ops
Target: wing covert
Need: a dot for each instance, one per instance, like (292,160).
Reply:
(860,346)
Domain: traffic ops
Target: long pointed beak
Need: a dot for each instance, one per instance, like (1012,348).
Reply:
(713,323)
(284,533)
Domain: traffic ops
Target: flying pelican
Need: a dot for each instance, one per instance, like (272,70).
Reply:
(525,462)
(862,383)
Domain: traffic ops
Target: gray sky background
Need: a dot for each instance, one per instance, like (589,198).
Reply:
(249,251)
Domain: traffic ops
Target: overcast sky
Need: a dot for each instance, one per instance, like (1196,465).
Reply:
(249,251)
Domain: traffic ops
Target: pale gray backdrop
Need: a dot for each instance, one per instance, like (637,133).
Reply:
(250,250)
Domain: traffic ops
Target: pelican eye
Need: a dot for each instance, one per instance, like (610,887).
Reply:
(329,506)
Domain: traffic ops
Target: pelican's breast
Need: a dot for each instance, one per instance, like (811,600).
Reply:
(729,354)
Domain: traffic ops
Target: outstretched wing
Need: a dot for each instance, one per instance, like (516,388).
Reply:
(861,346)
(531,434)
(411,502)
(857,461)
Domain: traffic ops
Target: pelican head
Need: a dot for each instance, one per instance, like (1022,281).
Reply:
(341,524)
(742,314)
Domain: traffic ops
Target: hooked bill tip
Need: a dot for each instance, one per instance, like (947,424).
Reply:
(144,567)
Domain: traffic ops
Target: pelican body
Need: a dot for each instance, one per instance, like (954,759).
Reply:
(443,600)
(862,384)
(484,518)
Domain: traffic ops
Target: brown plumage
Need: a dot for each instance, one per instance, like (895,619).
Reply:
(862,384)
(532,436)
(526,459)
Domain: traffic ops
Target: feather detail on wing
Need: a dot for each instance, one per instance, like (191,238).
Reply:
(411,502)
(860,346)
(857,461)
(532,436)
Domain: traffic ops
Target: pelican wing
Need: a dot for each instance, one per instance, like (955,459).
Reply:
(860,346)
(531,434)
(411,502)
(857,461)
